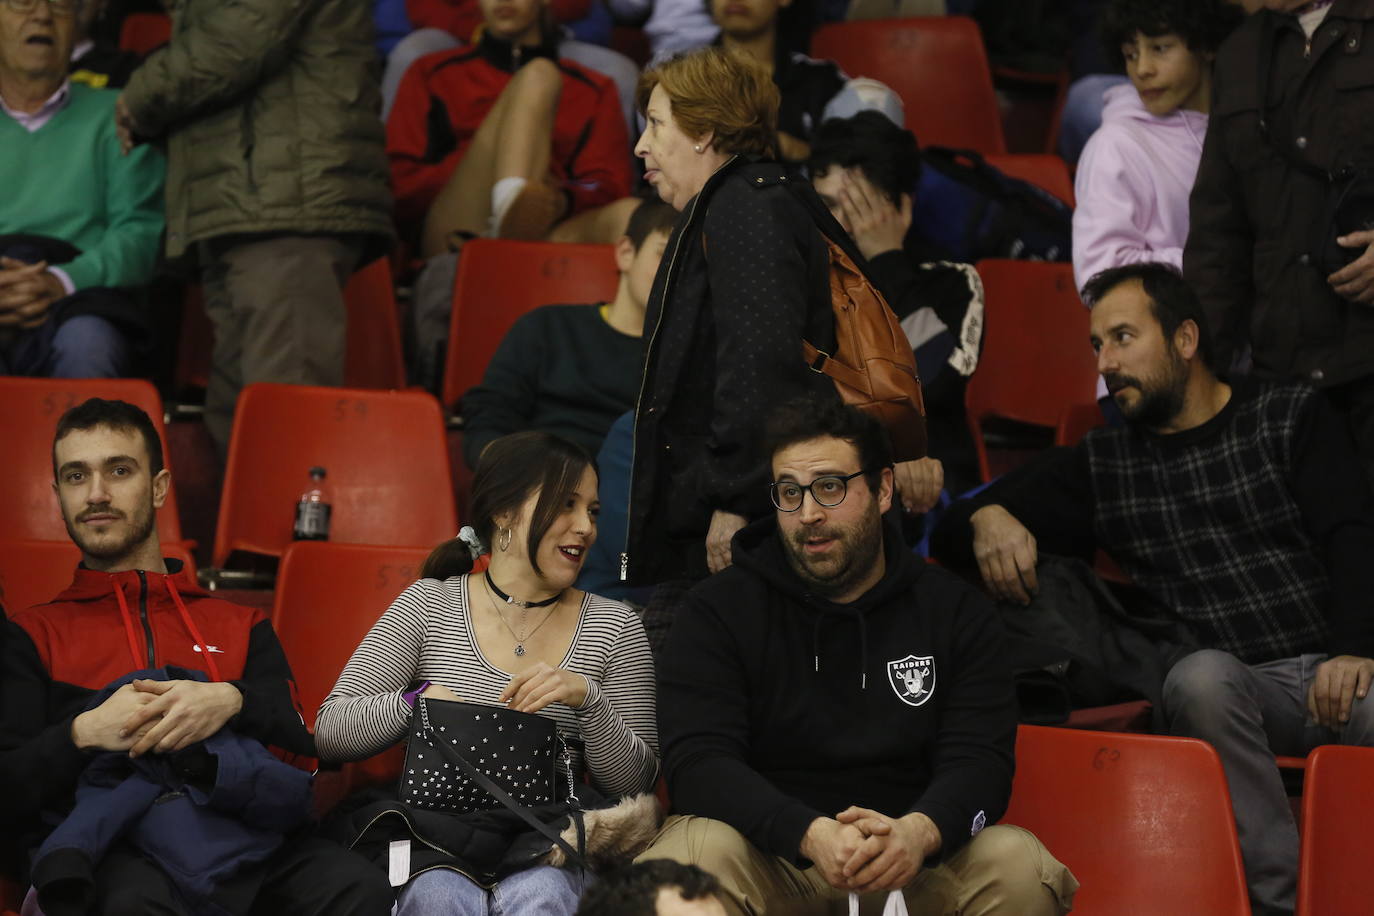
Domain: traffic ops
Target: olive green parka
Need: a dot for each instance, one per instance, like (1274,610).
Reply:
(270,110)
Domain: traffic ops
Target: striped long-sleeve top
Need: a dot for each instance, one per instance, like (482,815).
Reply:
(427,634)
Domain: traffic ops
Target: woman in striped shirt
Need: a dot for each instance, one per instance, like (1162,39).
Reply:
(518,635)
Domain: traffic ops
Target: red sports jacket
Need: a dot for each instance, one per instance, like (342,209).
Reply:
(444,97)
(56,655)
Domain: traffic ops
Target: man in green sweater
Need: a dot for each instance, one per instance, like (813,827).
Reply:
(80,224)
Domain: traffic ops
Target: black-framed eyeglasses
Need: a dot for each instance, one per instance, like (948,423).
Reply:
(828,491)
(61,7)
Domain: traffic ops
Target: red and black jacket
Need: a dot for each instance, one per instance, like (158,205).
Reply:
(444,97)
(57,655)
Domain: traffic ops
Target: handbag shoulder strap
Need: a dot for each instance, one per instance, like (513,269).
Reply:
(500,794)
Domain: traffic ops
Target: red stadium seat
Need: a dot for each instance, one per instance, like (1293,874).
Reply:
(328,596)
(373,356)
(144,32)
(1337,808)
(1143,821)
(29,411)
(500,280)
(384,451)
(936,64)
(1036,363)
(1044,170)
(32,572)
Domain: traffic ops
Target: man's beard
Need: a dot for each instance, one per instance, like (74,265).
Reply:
(857,549)
(1161,395)
(138,528)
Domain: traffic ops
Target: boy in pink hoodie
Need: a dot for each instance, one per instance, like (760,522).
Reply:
(1137,170)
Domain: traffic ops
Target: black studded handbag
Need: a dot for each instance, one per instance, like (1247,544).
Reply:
(458,751)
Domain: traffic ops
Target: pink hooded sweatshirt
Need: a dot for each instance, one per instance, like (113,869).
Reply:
(1133,183)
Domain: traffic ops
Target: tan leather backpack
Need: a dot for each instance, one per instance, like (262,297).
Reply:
(873,367)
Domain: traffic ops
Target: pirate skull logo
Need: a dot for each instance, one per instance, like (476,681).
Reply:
(912,678)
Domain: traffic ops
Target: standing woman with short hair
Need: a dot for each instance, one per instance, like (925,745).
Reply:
(744,279)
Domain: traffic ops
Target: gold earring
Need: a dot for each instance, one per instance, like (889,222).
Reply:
(505,539)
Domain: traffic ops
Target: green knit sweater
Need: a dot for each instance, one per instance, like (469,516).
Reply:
(68,180)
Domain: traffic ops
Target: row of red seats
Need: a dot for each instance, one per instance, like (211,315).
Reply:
(1144,821)
(386,450)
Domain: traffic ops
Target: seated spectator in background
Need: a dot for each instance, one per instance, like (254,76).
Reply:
(436,30)
(503,138)
(80,224)
(134,713)
(866,168)
(518,635)
(672,26)
(809,90)
(656,887)
(97,61)
(572,370)
(1137,170)
(276,179)
(837,716)
(1242,512)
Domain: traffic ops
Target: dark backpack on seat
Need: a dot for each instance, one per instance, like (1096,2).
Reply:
(969,211)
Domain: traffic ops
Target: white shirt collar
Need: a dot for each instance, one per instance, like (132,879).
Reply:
(32,121)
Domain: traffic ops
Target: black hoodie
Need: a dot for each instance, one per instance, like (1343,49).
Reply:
(777,707)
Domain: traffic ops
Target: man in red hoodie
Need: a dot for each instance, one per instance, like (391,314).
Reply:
(125,611)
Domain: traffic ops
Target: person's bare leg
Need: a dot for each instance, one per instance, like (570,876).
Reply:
(514,141)
(599,226)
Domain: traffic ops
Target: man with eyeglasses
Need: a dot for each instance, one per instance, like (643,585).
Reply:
(836,717)
(80,224)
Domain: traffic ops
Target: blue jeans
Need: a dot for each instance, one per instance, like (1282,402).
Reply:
(540,891)
(85,346)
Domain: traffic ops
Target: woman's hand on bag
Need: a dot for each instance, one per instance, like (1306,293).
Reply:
(440,692)
(537,687)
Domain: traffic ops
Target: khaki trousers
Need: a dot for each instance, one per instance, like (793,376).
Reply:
(1003,870)
(278,309)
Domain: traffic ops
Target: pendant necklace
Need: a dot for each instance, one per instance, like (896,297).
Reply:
(524,609)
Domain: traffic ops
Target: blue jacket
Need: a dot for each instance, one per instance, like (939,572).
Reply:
(204,815)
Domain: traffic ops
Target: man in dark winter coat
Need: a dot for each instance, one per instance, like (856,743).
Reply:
(126,611)
(1239,509)
(836,716)
(1278,263)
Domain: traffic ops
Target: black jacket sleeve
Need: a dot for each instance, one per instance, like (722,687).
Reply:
(1051,495)
(758,268)
(703,716)
(271,709)
(1338,509)
(1218,256)
(505,400)
(975,750)
(39,764)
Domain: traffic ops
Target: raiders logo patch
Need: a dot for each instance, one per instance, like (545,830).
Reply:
(912,678)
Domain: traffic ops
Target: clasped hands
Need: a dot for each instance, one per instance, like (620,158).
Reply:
(159,717)
(27,291)
(865,851)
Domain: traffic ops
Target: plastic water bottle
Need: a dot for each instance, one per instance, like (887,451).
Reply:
(312,512)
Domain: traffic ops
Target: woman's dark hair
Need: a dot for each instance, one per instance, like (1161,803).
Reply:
(885,153)
(1172,300)
(814,417)
(1202,24)
(511,468)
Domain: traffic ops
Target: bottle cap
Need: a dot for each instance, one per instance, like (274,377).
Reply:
(317,472)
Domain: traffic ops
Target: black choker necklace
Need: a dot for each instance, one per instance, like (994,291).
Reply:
(496,590)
